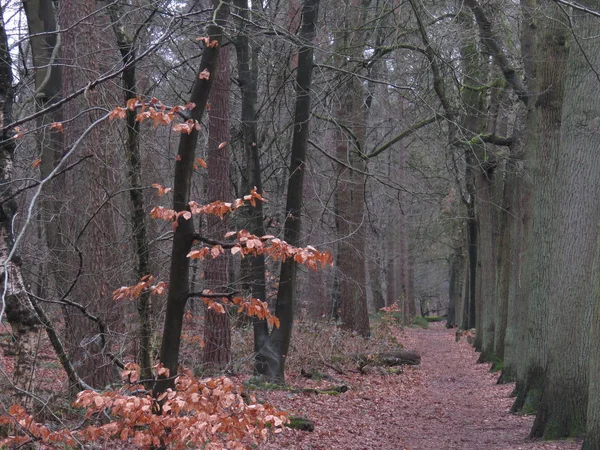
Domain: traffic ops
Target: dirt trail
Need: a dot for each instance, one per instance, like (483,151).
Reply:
(448,403)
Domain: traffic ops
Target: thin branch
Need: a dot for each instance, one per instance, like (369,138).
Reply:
(492,42)
(199,237)
(410,130)
(212,294)
(579,7)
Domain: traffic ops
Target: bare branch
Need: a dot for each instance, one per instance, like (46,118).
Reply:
(492,42)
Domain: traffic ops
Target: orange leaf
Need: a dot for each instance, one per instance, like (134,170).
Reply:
(58,126)
(36,163)
(161,189)
(273,321)
(204,75)
(131,104)
(201,162)
(117,113)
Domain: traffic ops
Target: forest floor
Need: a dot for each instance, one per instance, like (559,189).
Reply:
(448,402)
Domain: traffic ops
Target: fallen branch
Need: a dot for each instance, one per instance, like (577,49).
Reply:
(388,359)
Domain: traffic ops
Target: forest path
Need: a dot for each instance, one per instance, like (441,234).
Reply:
(449,402)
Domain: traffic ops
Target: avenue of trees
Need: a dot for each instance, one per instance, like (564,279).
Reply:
(192,167)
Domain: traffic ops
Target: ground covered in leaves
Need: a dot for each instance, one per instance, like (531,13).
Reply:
(448,402)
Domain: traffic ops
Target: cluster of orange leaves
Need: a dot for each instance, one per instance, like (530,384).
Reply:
(218,208)
(391,309)
(252,307)
(157,112)
(133,292)
(250,244)
(200,413)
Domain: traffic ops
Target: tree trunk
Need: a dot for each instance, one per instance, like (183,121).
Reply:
(542,150)
(217,332)
(592,436)
(351,180)
(139,223)
(520,221)
(457,265)
(510,250)
(486,184)
(15,299)
(471,67)
(376,285)
(279,340)
(184,233)
(563,407)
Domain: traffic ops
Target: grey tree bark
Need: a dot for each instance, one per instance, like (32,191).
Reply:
(14,300)
(541,159)
(563,407)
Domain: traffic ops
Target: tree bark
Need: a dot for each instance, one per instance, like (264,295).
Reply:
(457,264)
(217,332)
(592,436)
(15,301)
(351,181)
(184,233)
(286,293)
(563,407)
(253,268)
(139,225)
(542,152)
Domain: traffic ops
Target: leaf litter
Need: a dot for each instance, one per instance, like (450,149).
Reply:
(449,402)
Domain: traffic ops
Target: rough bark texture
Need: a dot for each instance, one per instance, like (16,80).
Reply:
(521,217)
(592,436)
(14,301)
(563,406)
(508,287)
(91,236)
(486,183)
(350,191)
(217,332)
(542,149)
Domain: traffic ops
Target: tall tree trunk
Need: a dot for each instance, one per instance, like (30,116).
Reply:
(217,332)
(563,408)
(139,225)
(471,62)
(486,184)
(592,436)
(457,265)
(286,293)
(179,282)
(542,152)
(503,268)
(15,301)
(253,268)
(508,289)
(520,219)
(351,180)
(92,235)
